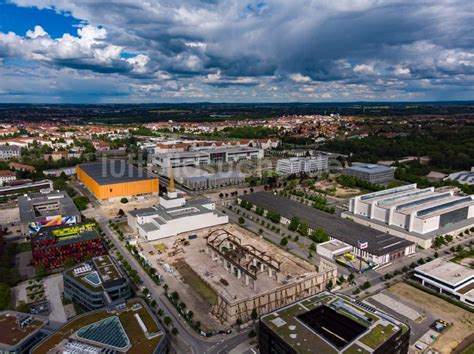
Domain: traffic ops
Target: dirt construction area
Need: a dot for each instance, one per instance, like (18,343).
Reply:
(462,321)
(187,268)
(336,190)
(111,208)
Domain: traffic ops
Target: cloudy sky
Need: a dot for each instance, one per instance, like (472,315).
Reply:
(236,51)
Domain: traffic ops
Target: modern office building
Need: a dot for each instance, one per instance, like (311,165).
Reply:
(128,327)
(213,180)
(331,323)
(449,278)
(207,157)
(374,246)
(114,179)
(371,173)
(38,210)
(312,164)
(8,152)
(463,177)
(19,332)
(416,214)
(96,283)
(53,246)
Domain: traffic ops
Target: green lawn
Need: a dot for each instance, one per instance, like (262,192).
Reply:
(195,282)
(377,336)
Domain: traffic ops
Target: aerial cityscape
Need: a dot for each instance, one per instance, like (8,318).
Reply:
(241,177)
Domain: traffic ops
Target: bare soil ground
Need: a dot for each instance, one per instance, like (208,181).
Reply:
(462,321)
(337,190)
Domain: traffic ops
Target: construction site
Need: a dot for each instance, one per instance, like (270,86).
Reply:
(234,271)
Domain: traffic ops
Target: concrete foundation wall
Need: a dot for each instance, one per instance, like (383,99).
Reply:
(313,283)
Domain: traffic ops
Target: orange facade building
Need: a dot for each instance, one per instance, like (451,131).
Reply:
(116,179)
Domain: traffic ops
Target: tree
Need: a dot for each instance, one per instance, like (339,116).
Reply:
(351,277)
(4,296)
(254,314)
(366,285)
(294,223)
(124,200)
(174,331)
(174,296)
(319,235)
(167,320)
(312,247)
(284,242)
(241,220)
(69,263)
(81,202)
(252,334)
(329,285)
(303,229)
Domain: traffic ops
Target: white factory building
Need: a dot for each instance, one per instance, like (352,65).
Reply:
(207,157)
(173,216)
(448,278)
(416,214)
(311,164)
(463,177)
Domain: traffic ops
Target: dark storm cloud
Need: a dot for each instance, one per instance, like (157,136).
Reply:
(304,46)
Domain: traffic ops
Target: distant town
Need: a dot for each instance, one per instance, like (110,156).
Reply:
(261,235)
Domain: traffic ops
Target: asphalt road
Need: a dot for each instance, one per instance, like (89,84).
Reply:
(187,340)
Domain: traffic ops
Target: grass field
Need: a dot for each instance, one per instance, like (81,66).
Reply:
(195,282)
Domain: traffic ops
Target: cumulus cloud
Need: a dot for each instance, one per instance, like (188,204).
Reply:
(89,50)
(360,49)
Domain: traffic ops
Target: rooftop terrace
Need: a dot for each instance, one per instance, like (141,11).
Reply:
(333,324)
(139,341)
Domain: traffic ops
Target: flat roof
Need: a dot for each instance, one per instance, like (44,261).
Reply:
(11,334)
(369,168)
(448,272)
(140,341)
(379,243)
(27,205)
(115,171)
(333,323)
(104,267)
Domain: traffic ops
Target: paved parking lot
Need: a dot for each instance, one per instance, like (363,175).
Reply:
(397,306)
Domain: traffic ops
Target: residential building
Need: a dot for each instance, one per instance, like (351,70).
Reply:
(371,173)
(8,152)
(331,323)
(374,246)
(53,246)
(68,171)
(129,327)
(114,179)
(17,187)
(21,167)
(96,284)
(6,177)
(19,332)
(310,164)
(38,210)
(448,278)
(415,214)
